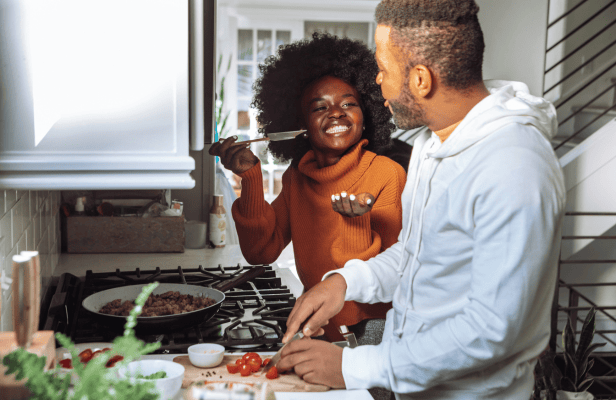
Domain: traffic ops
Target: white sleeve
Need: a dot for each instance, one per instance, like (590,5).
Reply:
(518,216)
(375,280)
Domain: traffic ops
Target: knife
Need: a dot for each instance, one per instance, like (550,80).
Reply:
(274,360)
(274,137)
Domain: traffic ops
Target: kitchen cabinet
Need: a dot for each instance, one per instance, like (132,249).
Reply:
(95,95)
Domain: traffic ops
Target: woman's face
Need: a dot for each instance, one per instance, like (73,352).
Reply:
(333,118)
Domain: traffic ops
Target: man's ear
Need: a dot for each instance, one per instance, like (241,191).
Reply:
(420,80)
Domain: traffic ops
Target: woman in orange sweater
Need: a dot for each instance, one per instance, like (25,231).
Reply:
(339,199)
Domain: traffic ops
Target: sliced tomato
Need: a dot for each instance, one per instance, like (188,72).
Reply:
(245,370)
(96,353)
(266,361)
(106,349)
(254,364)
(66,363)
(113,360)
(272,373)
(240,361)
(233,368)
(85,355)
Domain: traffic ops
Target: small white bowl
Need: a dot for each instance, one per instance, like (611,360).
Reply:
(206,355)
(169,386)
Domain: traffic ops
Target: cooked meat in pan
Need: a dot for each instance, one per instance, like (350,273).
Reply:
(156,305)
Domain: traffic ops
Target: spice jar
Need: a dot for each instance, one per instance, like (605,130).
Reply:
(218,222)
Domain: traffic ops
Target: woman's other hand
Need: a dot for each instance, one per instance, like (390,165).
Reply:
(237,159)
(351,205)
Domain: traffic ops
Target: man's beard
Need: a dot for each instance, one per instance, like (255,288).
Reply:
(407,113)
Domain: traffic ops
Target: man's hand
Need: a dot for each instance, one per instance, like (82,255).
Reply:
(315,361)
(238,158)
(322,302)
(351,205)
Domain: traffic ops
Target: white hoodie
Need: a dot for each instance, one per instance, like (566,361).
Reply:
(473,273)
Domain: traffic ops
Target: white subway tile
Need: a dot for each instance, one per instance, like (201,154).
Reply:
(10,198)
(30,237)
(2,203)
(21,243)
(8,263)
(7,319)
(17,221)
(6,227)
(47,213)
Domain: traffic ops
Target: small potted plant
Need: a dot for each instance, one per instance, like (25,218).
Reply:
(93,381)
(568,379)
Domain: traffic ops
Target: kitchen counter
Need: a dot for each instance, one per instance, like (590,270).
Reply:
(329,395)
(78,264)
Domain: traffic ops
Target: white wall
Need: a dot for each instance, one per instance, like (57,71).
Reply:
(514,34)
(29,220)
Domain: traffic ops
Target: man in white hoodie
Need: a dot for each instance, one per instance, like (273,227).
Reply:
(473,274)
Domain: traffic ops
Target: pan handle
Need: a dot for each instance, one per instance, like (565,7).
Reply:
(239,279)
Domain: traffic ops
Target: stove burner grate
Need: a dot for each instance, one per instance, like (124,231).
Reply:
(253,315)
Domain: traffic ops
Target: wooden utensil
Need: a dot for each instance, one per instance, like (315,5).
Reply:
(25,303)
(287,382)
(36,268)
(26,308)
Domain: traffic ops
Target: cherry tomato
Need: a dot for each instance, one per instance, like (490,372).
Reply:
(254,364)
(245,370)
(66,363)
(113,360)
(272,373)
(240,361)
(85,355)
(266,361)
(233,368)
(250,355)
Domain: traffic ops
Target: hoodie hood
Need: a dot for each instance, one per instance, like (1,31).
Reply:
(509,102)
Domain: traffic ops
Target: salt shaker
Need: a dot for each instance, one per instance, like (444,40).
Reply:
(218,222)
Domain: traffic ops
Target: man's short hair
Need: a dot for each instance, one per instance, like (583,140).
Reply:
(443,35)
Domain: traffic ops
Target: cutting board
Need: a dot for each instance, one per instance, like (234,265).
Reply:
(43,344)
(287,382)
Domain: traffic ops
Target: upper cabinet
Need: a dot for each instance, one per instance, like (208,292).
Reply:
(95,94)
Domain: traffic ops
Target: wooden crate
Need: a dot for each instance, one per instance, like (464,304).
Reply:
(125,234)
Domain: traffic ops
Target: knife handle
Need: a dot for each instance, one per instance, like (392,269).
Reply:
(24,303)
(239,279)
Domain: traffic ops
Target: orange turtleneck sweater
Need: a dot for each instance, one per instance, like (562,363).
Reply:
(323,240)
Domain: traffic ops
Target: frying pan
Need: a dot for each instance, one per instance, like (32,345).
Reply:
(165,323)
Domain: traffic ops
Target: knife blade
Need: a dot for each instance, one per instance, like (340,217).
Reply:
(274,360)
(274,137)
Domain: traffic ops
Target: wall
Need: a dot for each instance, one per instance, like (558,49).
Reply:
(29,220)
(514,34)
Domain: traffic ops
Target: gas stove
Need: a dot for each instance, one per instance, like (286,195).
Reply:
(253,315)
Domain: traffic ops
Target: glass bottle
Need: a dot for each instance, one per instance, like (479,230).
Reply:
(218,222)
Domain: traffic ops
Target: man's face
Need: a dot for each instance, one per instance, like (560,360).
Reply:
(392,79)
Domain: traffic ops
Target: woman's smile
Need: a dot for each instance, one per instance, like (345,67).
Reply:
(336,129)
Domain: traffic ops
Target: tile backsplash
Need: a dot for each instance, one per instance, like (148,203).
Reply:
(29,220)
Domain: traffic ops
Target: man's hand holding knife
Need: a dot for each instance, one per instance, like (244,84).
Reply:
(315,361)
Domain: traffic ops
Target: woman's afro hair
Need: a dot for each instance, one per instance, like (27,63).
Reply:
(284,77)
